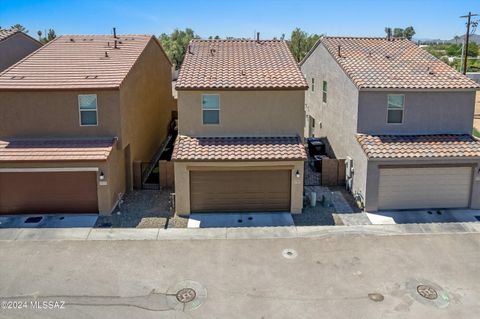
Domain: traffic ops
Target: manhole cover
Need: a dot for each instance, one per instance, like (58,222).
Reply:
(427,292)
(289,253)
(185,295)
(376,297)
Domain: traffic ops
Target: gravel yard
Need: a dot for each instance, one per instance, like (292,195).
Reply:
(143,209)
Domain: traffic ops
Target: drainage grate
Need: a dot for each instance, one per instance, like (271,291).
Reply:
(185,295)
(33,220)
(427,292)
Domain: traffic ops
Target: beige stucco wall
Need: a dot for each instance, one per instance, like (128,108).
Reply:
(55,114)
(108,194)
(244,113)
(16,48)
(146,103)
(477,103)
(182,180)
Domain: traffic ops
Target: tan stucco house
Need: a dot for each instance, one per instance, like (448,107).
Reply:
(400,117)
(241,118)
(14,46)
(74,117)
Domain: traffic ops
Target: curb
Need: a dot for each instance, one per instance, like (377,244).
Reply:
(56,234)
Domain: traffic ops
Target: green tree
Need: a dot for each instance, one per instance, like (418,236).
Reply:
(301,42)
(398,33)
(50,36)
(406,33)
(175,44)
(454,50)
(19,27)
(472,49)
(409,32)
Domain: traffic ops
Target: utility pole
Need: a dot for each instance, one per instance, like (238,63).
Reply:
(467,36)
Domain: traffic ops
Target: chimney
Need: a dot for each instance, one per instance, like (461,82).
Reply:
(258,36)
(339,51)
(190,49)
(115,32)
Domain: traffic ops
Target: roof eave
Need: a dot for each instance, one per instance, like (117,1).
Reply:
(182,88)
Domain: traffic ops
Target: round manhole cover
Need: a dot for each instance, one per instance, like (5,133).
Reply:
(185,295)
(289,253)
(427,292)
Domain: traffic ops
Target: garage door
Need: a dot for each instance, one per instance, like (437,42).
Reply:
(227,191)
(48,192)
(433,187)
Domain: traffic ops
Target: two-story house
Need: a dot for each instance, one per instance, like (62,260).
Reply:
(74,117)
(401,118)
(14,46)
(241,118)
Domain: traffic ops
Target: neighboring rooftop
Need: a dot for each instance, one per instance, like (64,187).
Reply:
(238,148)
(379,63)
(239,64)
(6,33)
(417,146)
(76,62)
(55,150)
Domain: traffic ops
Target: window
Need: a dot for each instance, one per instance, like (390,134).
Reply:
(88,109)
(211,109)
(324,89)
(313,85)
(395,108)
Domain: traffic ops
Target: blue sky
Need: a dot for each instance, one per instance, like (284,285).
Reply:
(431,18)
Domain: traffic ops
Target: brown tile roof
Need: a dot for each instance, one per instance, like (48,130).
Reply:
(76,62)
(239,64)
(6,33)
(238,148)
(55,150)
(397,64)
(415,146)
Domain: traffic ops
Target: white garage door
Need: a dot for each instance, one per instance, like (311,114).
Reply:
(432,187)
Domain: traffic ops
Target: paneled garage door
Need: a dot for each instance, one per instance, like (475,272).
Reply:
(431,187)
(229,191)
(48,192)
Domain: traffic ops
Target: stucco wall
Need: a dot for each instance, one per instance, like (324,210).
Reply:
(182,180)
(146,103)
(244,113)
(35,114)
(336,119)
(371,204)
(16,48)
(425,113)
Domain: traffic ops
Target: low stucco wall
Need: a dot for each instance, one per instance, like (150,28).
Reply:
(182,180)
(107,191)
(373,176)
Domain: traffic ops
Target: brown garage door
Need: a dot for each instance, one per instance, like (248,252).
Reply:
(48,192)
(229,191)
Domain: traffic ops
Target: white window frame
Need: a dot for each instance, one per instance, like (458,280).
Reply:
(87,110)
(201,106)
(403,110)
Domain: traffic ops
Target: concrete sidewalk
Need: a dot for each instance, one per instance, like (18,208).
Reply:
(48,234)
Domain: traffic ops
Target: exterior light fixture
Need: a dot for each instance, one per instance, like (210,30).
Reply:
(101,176)
(297,174)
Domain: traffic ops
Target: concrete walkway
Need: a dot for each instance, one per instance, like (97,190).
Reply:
(58,234)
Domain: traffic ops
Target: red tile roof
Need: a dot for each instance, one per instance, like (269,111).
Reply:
(55,150)
(415,146)
(239,64)
(238,148)
(396,64)
(76,62)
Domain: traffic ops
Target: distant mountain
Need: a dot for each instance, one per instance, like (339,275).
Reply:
(473,38)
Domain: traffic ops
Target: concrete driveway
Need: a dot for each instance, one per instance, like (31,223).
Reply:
(325,277)
(424,216)
(264,219)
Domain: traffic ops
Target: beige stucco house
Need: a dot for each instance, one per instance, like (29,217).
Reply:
(14,46)
(401,118)
(241,118)
(74,117)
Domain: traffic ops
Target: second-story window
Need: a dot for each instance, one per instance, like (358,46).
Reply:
(324,92)
(87,104)
(395,108)
(211,108)
(313,84)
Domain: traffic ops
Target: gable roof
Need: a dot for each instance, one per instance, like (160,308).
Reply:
(239,64)
(8,33)
(77,62)
(378,63)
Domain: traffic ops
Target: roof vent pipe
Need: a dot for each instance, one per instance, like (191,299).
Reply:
(115,32)
(106,54)
(190,49)
(339,51)
(115,44)
(389,34)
